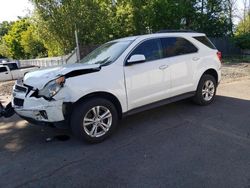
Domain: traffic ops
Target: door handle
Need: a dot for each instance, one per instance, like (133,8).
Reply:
(6,73)
(196,58)
(162,67)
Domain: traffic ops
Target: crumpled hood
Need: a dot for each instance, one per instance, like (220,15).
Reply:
(38,79)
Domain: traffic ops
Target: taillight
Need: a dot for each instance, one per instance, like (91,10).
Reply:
(219,55)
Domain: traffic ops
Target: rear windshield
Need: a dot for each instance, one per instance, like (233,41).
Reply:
(204,40)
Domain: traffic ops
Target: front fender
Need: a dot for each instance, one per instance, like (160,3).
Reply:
(77,87)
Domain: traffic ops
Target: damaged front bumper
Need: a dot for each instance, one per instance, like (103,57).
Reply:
(38,109)
(41,110)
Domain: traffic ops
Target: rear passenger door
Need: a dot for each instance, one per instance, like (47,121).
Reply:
(180,56)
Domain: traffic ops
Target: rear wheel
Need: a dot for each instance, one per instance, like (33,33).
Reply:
(94,120)
(206,90)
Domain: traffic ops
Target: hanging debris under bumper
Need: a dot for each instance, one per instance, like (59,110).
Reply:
(7,111)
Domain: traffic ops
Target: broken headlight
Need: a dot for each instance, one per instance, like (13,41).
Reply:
(52,88)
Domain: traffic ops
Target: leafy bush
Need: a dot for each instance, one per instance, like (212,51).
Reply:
(243,41)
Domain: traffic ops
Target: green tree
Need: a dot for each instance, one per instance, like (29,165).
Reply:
(244,26)
(32,45)
(242,38)
(171,14)
(98,21)
(4,50)
(4,28)
(211,17)
(62,18)
(12,40)
(120,21)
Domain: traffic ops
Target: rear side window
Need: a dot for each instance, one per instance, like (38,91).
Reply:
(151,49)
(174,46)
(3,69)
(204,40)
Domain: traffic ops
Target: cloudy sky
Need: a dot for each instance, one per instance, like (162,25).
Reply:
(10,9)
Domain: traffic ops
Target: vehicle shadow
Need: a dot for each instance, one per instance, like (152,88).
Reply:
(14,131)
(224,110)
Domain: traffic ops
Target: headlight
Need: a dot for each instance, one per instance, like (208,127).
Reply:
(52,88)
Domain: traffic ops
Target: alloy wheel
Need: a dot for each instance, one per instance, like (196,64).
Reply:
(97,121)
(208,90)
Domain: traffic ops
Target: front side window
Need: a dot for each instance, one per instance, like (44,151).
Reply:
(174,46)
(107,53)
(3,69)
(151,49)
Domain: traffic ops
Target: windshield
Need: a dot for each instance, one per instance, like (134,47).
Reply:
(107,53)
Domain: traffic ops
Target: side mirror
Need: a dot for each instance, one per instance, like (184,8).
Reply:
(139,58)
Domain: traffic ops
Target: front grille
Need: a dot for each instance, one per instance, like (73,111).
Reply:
(18,102)
(19,88)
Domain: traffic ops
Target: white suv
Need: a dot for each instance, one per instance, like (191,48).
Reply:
(120,78)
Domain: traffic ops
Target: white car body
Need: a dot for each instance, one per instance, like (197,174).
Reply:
(132,86)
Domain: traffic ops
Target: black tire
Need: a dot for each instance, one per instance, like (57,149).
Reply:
(199,98)
(1,109)
(83,109)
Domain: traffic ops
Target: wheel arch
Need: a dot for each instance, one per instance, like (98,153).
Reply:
(210,71)
(213,73)
(108,96)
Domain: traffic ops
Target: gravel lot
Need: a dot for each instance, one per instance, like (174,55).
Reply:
(235,72)
(177,145)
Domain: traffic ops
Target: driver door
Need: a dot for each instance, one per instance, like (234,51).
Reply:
(148,81)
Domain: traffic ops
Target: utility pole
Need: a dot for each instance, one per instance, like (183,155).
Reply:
(245,12)
(77,46)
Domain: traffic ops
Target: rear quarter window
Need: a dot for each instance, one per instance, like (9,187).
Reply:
(204,40)
(175,46)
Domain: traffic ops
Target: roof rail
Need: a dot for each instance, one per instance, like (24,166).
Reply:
(176,31)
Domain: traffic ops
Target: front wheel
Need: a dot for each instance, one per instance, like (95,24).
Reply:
(94,120)
(206,90)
